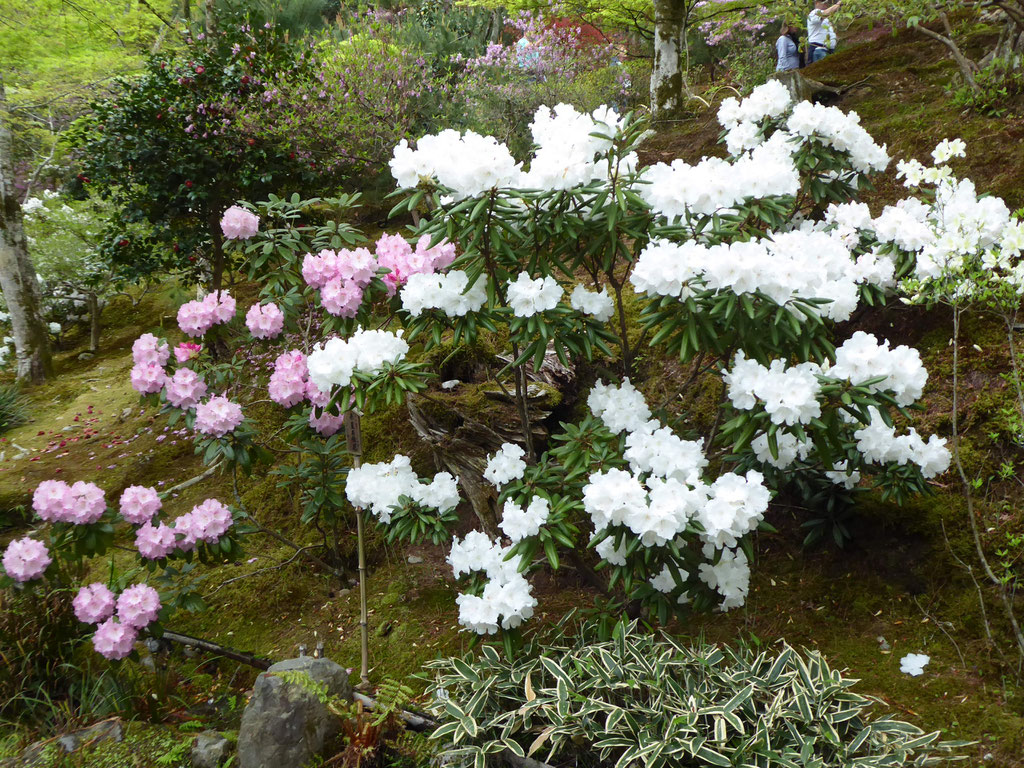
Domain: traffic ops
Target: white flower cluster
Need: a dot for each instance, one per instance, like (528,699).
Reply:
(518,523)
(378,487)
(506,601)
(620,408)
(769,100)
(528,296)
(663,493)
(730,575)
(332,364)
(879,444)
(788,394)
(567,153)
(839,130)
(788,265)
(790,448)
(468,164)
(598,305)
(714,184)
(861,357)
(505,466)
(450,292)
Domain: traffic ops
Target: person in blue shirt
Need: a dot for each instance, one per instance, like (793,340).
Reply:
(788,53)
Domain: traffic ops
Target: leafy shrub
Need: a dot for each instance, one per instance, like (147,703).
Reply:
(999,93)
(640,699)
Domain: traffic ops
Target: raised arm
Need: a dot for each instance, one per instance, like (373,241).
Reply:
(826,12)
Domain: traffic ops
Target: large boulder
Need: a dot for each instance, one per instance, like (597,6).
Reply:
(286,722)
(210,750)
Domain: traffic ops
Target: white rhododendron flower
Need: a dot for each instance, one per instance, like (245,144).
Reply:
(332,363)
(518,523)
(528,296)
(598,305)
(379,487)
(506,465)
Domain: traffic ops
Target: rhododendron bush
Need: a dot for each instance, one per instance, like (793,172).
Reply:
(741,266)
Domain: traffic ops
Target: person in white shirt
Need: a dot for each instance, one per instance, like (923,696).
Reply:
(821,35)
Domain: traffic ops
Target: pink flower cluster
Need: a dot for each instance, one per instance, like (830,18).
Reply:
(218,416)
(149,349)
(94,604)
(185,389)
(113,639)
(289,385)
(148,378)
(341,278)
(26,559)
(206,522)
(239,224)
(137,608)
(57,502)
(197,317)
(395,254)
(186,351)
(264,321)
(139,504)
(155,541)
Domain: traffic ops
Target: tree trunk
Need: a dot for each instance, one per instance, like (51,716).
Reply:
(1009,49)
(217,253)
(667,73)
(17,275)
(94,322)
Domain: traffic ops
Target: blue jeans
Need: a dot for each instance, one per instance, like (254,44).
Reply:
(817,53)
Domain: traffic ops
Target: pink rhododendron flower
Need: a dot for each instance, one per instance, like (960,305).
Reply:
(53,501)
(317,270)
(186,351)
(440,256)
(185,389)
(149,349)
(93,604)
(326,423)
(138,606)
(357,265)
(341,297)
(139,504)
(89,504)
(155,541)
(148,378)
(26,559)
(195,318)
(114,640)
(218,416)
(208,521)
(222,304)
(264,321)
(239,224)
(185,533)
(287,385)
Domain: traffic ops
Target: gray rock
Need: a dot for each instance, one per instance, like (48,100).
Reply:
(285,723)
(414,559)
(85,356)
(210,750)
(108,729)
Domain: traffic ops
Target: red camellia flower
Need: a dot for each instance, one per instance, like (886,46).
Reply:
(200,69)
(123,243)
(188,184)
(245,79)
(252,142)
